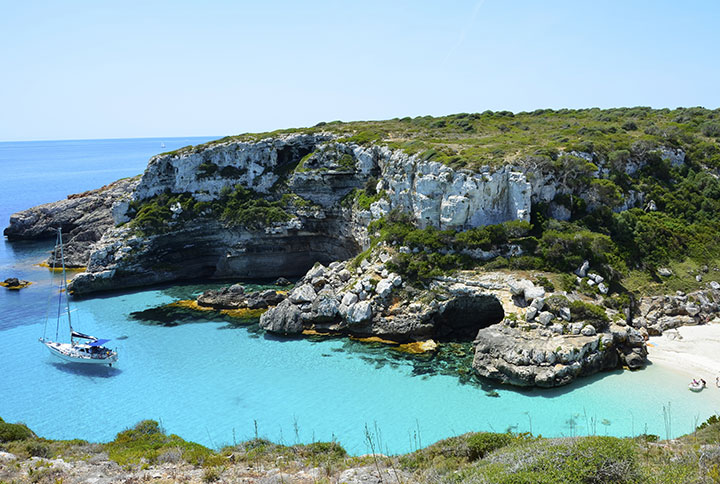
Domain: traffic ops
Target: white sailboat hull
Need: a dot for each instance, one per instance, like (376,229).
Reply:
(80,354)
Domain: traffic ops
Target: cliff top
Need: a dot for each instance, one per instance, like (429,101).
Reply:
(473,140)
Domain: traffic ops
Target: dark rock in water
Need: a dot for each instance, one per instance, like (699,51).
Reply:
(14,283)
(234,297)
(281,281)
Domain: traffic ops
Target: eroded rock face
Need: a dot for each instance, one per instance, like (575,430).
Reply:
(441,197)
(83,218)
(320,171)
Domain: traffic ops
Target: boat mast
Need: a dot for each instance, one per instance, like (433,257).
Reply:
(64,285)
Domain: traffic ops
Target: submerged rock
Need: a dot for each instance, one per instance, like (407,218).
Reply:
(235,297)
(14,283)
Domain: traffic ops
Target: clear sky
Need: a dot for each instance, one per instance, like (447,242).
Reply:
(106,69)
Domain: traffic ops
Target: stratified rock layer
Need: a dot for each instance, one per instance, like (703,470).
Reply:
(83,218)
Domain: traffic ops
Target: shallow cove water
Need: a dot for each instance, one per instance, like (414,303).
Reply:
(215,384)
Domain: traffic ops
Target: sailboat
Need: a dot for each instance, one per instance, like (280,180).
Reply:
(162,144)
(82,348)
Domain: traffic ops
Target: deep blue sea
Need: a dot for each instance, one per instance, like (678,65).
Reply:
(217,384)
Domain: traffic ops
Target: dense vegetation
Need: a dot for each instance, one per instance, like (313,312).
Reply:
(503,458)
(237,206)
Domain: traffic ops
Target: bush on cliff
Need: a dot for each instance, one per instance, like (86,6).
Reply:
(236,206)
(148,441)
(590,314)
(11,432)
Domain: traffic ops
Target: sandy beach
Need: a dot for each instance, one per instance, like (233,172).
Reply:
(693,350)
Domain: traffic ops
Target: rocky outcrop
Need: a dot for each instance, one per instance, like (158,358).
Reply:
(550,339)
(369,300)
(656,314)
(14,284)
(83,218)
(553,354)
(235,297)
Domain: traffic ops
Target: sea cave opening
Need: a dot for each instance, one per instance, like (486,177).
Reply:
(464,316)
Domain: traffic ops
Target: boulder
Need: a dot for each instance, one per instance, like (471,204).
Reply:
(324,308)
(530,313)
(303,294)
(538,303)
(534,292)
(384,287)
(349,298)
(281,281)
(285,318)
(582,270)
(359,312)
(588,330)
(517,288)
(565,314)
(665,272)
(545,317)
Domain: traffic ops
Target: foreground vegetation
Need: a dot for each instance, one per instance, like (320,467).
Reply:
(474,457)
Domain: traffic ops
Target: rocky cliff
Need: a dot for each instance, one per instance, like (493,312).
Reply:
(409,197)
(306,176)
(84,218)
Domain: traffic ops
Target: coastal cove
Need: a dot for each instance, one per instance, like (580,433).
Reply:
(215,384)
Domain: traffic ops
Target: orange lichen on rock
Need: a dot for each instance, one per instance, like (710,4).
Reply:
(418,347)
(244,313)
(374,339)
(190,304)
(59,269)
(15,287)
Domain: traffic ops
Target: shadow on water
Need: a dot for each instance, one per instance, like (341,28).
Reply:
(96,371)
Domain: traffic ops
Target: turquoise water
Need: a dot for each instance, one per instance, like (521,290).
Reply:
(216,384)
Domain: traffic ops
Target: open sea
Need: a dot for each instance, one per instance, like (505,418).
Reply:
(218,384)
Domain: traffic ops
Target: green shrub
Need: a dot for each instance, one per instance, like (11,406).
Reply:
(11,432)
(148,441)
(545,283)
(37,448)
(232,172)
(589,313)
(482,443)
(206,170)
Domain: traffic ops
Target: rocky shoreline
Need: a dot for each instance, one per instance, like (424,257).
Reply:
(299,205)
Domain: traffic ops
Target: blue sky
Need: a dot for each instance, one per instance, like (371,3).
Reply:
(96,69)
